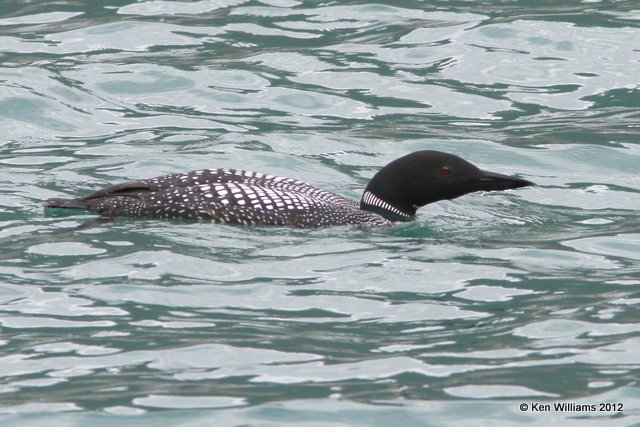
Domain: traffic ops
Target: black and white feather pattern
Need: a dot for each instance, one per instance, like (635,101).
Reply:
(371,199)
(229,196)
(235,196)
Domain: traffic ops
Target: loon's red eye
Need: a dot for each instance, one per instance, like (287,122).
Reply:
(445,170)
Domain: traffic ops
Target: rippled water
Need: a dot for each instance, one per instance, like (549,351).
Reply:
(480,305)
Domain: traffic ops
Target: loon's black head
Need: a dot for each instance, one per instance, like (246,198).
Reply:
(423,177)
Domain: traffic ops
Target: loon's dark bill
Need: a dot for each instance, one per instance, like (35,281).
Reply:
(492,181)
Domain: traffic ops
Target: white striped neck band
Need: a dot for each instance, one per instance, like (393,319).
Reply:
(372,200)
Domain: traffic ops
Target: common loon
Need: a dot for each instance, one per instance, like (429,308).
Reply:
(250,198)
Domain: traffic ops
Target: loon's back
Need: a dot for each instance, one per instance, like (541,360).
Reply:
(224,195)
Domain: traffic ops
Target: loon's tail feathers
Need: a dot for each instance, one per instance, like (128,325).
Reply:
(67,203)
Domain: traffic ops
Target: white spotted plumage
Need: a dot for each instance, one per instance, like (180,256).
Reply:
(232,196)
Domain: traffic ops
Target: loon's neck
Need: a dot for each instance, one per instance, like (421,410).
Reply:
(372,203)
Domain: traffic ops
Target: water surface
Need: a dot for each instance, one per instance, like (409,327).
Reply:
(481,304)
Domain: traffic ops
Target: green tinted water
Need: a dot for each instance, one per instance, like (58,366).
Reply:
(480,305)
